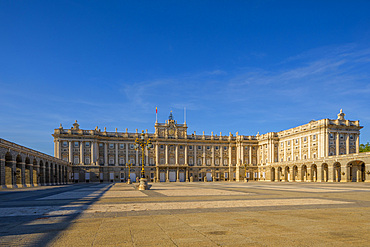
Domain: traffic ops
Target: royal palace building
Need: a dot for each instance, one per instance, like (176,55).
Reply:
(325,150)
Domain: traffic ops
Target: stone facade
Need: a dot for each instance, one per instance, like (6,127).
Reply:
(24,167)
(302,153)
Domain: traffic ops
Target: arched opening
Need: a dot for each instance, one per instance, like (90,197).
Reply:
(27,172)
(35,179)
(295,173)
(18,171)
(313,173)
(9,173)
(279,174)
(325,172)
(357,171)
(287,174)
(337,172)
(304,173)
(42,173)
(47,173)
(272,174)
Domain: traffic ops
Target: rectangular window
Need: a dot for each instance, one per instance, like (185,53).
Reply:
(100,145)
(199,147)
(331,136)
(180,147)
(341,137)
(305,139)
(216,147)
(87,160)
(208,147)
(111,161)
(296,141)
(225,148)
(351,137)
(121,146)
(190,147)
(111,145)
(282,144)
(314,137)
(76,144)
(87,144)
(65,144)
(288,143)
(131,146)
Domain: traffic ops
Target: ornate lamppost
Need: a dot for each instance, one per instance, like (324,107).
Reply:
(128,165)
(141,143)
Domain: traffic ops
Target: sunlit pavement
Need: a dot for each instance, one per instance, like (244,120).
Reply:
(187,214)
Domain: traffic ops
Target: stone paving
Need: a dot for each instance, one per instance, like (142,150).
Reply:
(187,214)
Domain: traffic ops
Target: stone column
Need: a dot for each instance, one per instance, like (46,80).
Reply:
(167,175)
(285,149)
(292,177)
(186,174)
(24,174)
(156,155)
(116,154)
(58,149)
(347,143)
(105,154)
(157,174)
(55,148)
(337,143)
(309,174)
(82,153)
(195,155)
(346,170)
(177,175)
(327,142)
(277,177)
(92,153)
(213,156)
(319,174)
(70,151)
(300,147)
(146,156)
(367,173)
(221,156)
(137,161)
(299,174)
(331,173)
(176,154)
(126,145)
(357,143)
(359,175)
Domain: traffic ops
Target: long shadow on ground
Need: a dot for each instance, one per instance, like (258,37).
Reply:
(43,213)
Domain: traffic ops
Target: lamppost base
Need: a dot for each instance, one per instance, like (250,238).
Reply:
(128,181)
(143,184)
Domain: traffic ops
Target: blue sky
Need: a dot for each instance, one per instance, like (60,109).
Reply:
(246,66)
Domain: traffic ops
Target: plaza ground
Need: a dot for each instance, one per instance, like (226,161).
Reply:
(187,214)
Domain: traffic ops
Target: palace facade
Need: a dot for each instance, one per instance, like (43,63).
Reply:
(325,150)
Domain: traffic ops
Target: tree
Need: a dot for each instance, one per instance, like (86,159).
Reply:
(365,147)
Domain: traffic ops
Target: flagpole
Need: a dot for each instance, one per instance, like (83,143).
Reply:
(156,115)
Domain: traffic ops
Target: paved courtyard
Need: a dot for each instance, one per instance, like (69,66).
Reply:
(187,214)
